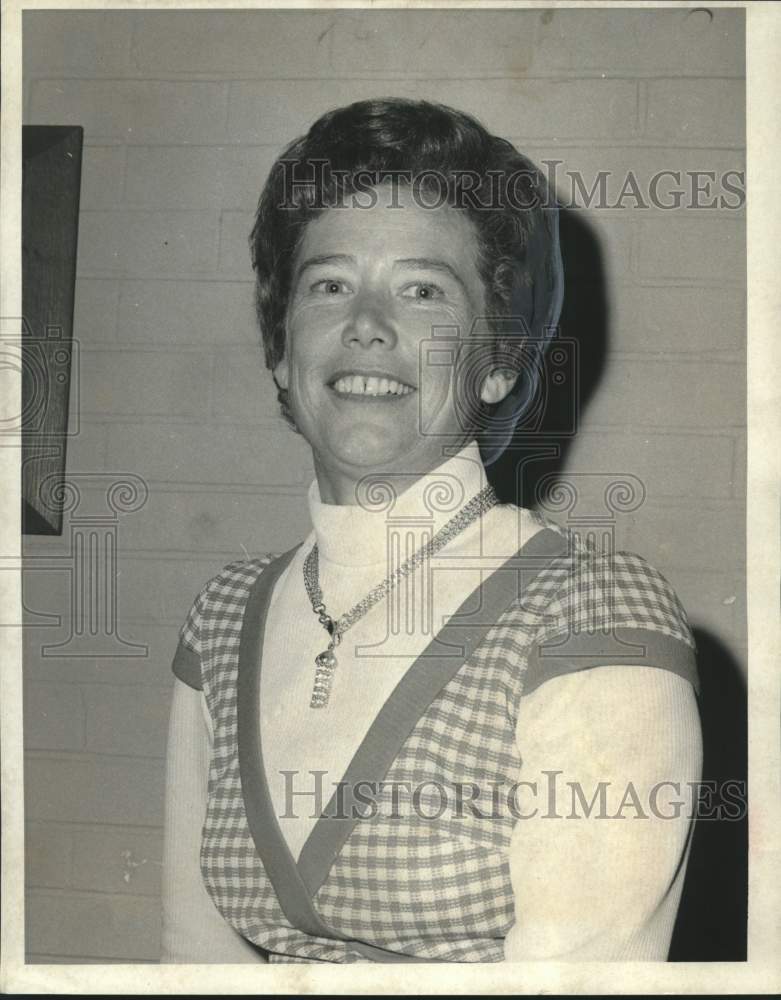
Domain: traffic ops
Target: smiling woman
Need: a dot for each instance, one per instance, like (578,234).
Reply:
(394,796)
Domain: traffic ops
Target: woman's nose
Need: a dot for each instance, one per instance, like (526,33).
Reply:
(369,323)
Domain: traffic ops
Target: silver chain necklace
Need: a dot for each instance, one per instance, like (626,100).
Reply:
(326,662)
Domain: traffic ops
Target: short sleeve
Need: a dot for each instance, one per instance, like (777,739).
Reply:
(612,610)
(187,658)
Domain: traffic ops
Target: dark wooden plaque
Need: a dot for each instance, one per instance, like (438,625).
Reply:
(51,180)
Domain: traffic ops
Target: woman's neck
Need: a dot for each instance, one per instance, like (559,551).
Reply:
(357,533)
(342,488)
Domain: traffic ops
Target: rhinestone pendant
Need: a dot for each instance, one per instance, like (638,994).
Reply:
(325,664)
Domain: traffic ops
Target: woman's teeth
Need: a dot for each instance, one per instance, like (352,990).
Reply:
(363,385)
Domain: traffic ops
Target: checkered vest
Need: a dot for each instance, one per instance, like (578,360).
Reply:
(423,883)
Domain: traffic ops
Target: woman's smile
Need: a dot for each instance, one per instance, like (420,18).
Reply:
(370,387)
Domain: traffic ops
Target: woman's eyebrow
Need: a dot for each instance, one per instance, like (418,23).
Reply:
(431,264)
(326,258)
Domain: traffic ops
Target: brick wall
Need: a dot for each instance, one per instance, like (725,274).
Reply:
(182,116)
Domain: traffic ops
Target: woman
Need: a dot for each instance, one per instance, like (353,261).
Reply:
(402,740)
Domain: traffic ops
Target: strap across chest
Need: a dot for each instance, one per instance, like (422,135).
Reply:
(297,882)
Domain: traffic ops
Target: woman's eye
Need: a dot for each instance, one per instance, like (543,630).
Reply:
(330,286)
(423,291)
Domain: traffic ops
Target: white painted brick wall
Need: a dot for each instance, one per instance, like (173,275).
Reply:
(134,110)
(214,314)
(709,250)
(81,788)
(149,243)
(122,381)
(696,112)
(70,924)
(183,115)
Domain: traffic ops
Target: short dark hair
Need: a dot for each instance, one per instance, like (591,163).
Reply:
(501,191)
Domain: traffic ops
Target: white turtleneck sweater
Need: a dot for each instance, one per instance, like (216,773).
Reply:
(586,889)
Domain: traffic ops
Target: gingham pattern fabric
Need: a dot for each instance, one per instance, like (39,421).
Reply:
(432,888)
(439,888)
(599,593)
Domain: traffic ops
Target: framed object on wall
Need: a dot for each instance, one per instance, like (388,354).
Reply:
(51,181)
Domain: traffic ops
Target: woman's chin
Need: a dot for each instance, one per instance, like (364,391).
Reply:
(367,452)
(366,448)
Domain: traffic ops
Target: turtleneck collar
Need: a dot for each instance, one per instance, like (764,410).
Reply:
(356,535)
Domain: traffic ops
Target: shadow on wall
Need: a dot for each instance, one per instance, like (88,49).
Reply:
(711,924)
(526,472)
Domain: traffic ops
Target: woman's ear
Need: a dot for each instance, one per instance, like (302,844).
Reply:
(280,373)
(497,385)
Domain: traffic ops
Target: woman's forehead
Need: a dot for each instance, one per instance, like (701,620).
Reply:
(387,222)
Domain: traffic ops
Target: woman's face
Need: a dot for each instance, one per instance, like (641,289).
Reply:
(367,389)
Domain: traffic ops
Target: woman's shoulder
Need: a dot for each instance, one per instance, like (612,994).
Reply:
(235,578)
(218,607)
(589,569)
(228,586)
(601,605)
